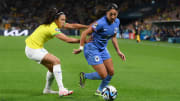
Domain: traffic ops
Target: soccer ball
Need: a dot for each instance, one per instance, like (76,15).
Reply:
(109,93)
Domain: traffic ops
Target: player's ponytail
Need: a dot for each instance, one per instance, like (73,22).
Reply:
(51,15)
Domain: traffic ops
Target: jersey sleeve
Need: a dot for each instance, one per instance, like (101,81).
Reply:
(97,26)
(118,22)
(117,30)
(55,30)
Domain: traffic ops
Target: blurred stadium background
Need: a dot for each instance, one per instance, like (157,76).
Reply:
(157,19)
(151,72)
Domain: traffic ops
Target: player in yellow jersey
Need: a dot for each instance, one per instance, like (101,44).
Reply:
(55,20)
(137,32)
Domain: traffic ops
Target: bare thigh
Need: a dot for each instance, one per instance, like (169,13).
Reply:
(49,60)
(101,69)
(109,66)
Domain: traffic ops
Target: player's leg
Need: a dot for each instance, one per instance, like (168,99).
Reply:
(107,61)
(109,67)
(49,80)
(101,70)
(138,38)
(47,65)
(56,68)
(42,56)
(92,55)
(93,58)
(100,74)
(49,61)
(38,55)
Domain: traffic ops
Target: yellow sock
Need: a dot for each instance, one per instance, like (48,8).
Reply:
(138,38)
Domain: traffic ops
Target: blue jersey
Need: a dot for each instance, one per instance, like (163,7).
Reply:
(103,31)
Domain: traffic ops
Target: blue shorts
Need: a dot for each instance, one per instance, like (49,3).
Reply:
(94,56)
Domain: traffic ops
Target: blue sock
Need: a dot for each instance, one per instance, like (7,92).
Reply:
(105,82)
(93,76)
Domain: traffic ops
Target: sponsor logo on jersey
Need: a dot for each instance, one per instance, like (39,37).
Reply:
(57,29)
(95,25)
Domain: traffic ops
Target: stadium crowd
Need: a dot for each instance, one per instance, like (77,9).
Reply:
(150,31)
(28,14)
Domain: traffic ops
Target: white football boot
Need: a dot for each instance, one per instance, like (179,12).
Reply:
(49,91)
(65,92)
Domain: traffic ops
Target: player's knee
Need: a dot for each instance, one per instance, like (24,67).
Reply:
(56,61)
(103,76)
(111,73)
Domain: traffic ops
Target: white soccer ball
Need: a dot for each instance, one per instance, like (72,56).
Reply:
(109,93)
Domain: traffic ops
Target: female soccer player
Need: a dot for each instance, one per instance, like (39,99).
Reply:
(55,20)
(96,52)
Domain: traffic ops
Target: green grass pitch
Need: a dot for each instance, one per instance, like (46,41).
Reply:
(151,72)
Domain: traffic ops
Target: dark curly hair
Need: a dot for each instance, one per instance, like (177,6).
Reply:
(102,12)
(51,15)
(112,6)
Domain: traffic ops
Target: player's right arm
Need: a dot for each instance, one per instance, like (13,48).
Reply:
(67,39)
(83,39)
(116,46)
(94,28)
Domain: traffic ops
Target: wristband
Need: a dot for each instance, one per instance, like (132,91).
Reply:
(81,47)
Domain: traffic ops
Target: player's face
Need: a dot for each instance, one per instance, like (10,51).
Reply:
(112,15)
(62,19)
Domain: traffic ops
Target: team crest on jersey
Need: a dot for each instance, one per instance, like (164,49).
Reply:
(95,25)
(115,30)
(57,29)
(97,58)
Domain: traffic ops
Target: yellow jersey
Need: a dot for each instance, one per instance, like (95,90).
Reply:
(41,35)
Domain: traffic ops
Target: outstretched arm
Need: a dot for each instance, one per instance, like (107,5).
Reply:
(83,39)
(67,39)
(74,26)
(116,46)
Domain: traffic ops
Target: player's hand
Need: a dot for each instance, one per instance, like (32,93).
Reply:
(77,51)
(122,56)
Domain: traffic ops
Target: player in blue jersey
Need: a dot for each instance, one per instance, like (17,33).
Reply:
(96,52)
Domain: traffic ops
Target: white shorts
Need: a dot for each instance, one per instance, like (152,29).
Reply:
(35,54)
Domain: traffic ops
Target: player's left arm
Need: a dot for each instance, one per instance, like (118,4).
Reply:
(74,26)
(67,39)
(116,46)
